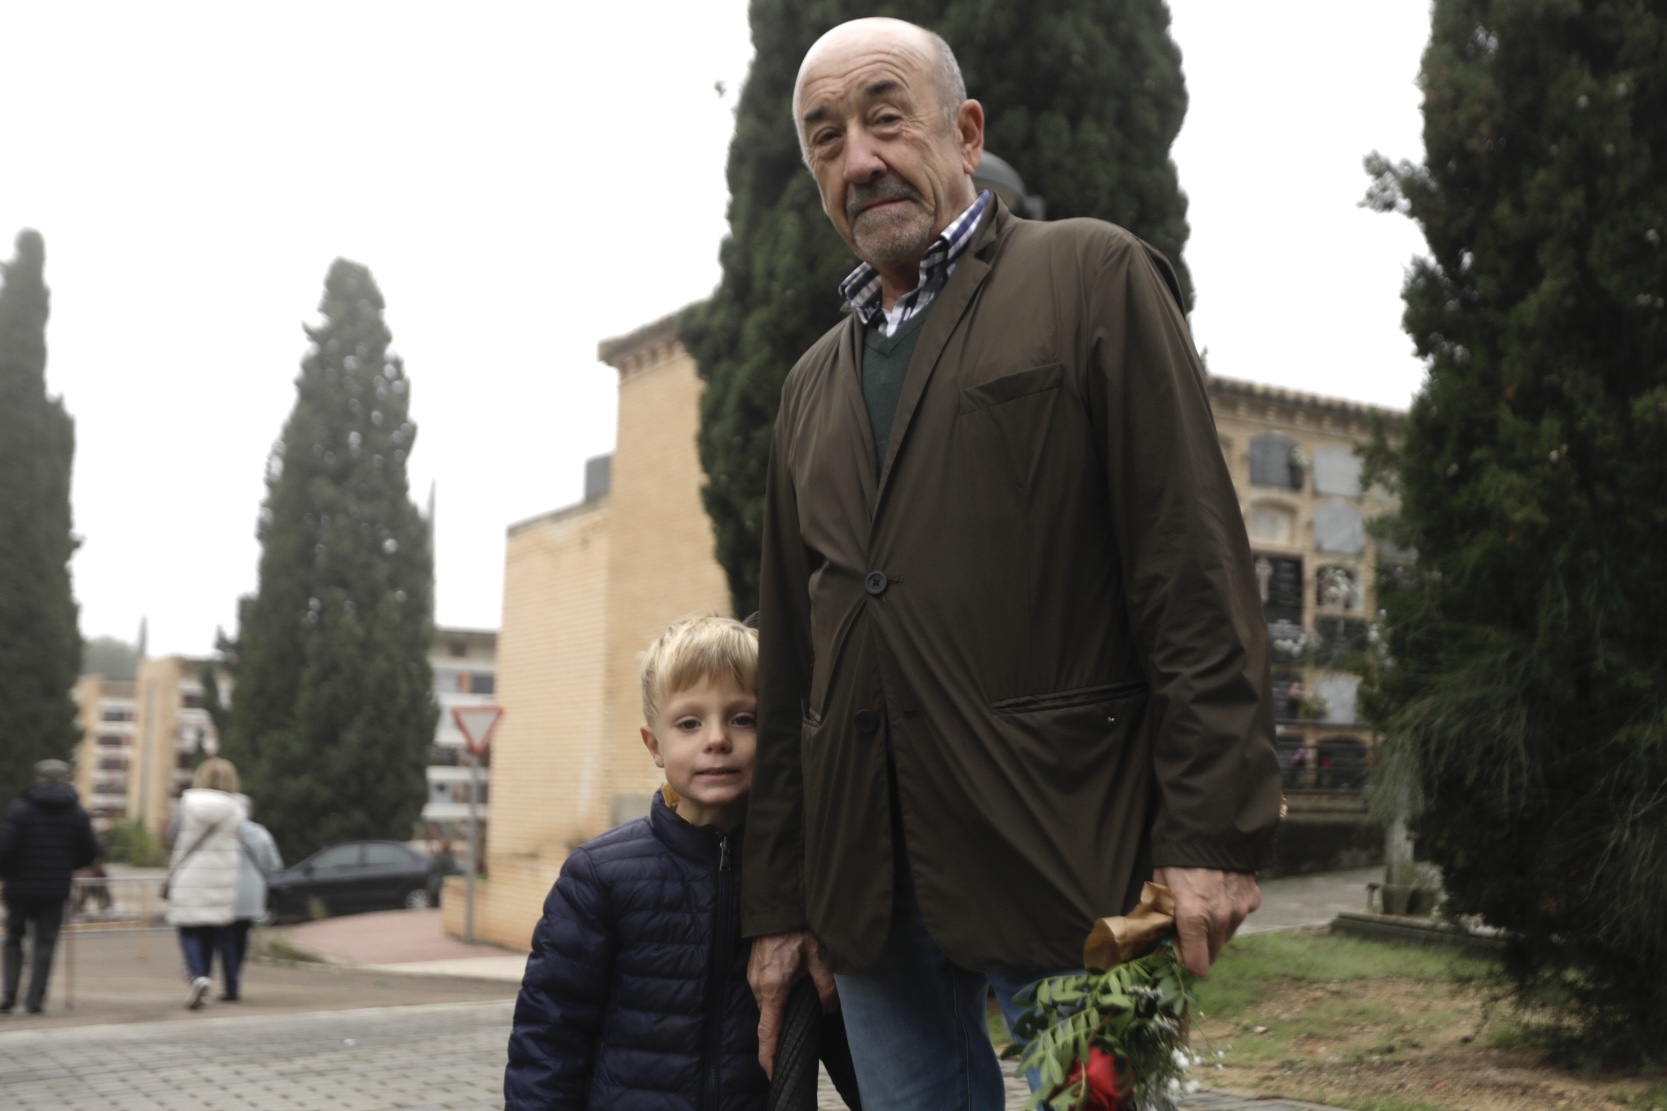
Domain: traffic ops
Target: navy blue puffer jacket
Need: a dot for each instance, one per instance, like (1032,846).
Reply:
(635,996)
(44,838)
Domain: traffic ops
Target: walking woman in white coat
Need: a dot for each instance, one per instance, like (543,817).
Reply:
(202,880)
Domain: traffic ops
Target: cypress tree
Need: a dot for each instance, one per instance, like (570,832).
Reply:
(1083,97)
(1526,692)
(333,711)
(40,644)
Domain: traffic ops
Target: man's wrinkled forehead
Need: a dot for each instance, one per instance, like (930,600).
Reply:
(816,110)
(866,61)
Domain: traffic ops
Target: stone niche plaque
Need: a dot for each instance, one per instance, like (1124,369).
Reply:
(1337,471)
(1339,527)
(1272,462)
(1279,579)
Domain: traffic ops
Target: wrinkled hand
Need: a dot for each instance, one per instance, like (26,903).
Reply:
(1209,907)
(779,961)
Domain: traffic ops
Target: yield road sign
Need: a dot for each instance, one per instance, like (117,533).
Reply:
(477,724)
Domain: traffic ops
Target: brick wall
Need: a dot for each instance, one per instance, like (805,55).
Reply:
(585,590)
(660,566)
(548,753)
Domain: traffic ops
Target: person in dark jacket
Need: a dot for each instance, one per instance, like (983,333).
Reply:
(46,836)
(635,994)
(1013,662)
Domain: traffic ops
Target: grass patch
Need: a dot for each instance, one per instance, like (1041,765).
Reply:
(1372,1026)
(995,1023)
(1654,1099)
(1252,967)
(272,946)
(1381,1103)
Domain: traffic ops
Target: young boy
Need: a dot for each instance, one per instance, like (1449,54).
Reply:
(636,994)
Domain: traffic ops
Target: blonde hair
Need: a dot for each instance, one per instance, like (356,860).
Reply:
(696,648)
(217,775)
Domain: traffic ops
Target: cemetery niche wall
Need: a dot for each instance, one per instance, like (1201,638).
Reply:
(1295,462)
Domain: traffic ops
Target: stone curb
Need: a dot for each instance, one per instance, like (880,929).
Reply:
(1413,931)
(307,958)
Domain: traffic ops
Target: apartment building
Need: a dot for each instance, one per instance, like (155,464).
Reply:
(465,674)
(141,740)
(105,714)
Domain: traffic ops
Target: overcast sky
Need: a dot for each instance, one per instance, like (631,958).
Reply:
(524,180)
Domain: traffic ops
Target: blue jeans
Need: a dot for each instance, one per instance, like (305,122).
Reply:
(916,1022)
(233,944)
(197,943)
(1008,984)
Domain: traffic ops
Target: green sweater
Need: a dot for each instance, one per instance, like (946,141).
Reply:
(885,363)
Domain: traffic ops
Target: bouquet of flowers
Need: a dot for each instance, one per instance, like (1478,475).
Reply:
(1112,1038)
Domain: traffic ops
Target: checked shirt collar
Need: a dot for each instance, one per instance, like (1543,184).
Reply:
(862,287)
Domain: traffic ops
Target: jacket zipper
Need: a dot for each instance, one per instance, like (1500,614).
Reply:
(717,975)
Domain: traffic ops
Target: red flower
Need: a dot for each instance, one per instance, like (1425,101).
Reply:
(1107,1090)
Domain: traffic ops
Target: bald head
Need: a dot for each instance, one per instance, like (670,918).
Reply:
(929,48)
(885,128)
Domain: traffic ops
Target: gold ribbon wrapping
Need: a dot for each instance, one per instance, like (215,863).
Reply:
(1115,940)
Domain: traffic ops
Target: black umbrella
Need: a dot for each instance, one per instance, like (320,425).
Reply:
(807,1033)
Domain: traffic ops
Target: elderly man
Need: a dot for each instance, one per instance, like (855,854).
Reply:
(45,837)
(1012,661)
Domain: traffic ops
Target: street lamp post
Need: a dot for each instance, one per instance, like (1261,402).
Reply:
(474,848)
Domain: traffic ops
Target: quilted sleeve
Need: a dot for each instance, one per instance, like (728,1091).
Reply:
(564,994)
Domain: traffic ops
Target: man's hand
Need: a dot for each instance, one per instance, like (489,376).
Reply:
(778,961)
(1209,906)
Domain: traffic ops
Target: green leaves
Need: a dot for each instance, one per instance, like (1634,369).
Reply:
(1527,707)
(40,645)
(1136,1012)
(333,714)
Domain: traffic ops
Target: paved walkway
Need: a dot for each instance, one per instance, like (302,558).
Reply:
(437,1057)
(401,1018)
(137,976)
(421,1058)
(1303,902)
(406,942)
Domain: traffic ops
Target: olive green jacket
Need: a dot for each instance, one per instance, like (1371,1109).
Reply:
(1043,605)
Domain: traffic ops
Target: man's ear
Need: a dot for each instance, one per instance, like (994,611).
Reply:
(969,130)
(653,743)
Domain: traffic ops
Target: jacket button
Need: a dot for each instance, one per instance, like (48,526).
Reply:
(876,583)
(867,722)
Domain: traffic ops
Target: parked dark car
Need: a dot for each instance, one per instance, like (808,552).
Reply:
(355,876)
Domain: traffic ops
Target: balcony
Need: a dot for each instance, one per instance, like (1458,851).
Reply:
(452,812)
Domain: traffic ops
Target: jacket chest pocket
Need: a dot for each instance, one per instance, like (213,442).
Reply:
(1008,418)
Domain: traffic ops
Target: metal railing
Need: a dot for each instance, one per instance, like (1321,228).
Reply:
(116,903)
(100,904)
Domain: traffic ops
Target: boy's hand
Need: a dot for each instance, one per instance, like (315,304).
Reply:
(778,961)
(1209,907)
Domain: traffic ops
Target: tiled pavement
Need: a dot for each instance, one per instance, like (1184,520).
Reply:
(313,1037)
(435,1057)
(410,1058)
